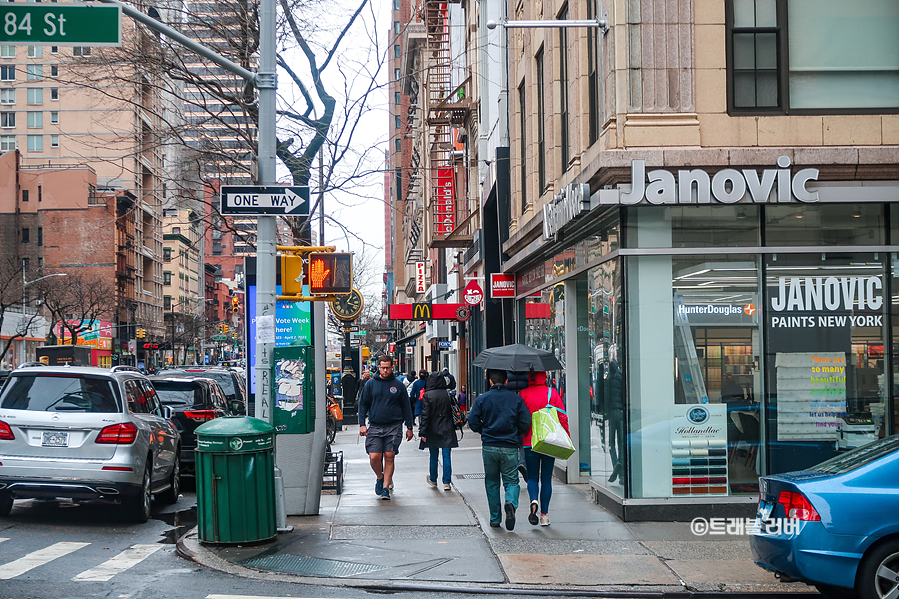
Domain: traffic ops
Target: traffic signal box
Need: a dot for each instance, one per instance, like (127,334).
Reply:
(330,272)
(235,304)
(140,333)
(326,273)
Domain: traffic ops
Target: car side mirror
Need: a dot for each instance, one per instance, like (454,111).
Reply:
(167,412)
(237,407)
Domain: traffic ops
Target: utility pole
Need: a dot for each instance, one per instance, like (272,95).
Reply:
(265,82)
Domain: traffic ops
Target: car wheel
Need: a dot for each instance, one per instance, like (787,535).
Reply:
(331,425)
(5,504)
(878,576)
(170,495)
(137,508)
(833,592)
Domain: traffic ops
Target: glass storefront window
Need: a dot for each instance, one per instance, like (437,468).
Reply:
(605,316)
(824,224)
(544,327)
(693,226)
(693,325)
(826,330)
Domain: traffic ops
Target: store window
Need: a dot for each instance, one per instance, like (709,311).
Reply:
(607,390)
(824,225)
(692,375)
(693,226)
(544,327)
(826,330)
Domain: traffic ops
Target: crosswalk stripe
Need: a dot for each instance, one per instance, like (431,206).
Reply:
(38,558)
(251,597)
(119,563)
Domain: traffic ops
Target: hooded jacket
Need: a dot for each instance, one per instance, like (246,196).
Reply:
(500,417)
(436,423)
(535,399)
(384,401)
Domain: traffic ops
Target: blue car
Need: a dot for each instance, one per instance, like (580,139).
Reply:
(835,525)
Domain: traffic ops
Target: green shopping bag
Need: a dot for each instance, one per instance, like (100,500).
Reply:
(547,434)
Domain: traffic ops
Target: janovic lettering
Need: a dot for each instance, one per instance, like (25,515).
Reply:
(727,186)
(830,293)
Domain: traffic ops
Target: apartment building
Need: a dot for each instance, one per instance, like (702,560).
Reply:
(64,106)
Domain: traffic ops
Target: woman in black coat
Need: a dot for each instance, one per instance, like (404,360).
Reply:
(436,428)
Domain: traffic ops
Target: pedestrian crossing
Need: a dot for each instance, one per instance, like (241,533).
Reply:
(116,565)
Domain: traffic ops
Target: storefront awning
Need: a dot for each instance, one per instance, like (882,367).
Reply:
(410,337)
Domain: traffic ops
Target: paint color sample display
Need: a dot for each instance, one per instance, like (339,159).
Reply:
(699,450)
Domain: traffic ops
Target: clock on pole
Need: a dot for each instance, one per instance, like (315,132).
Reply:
(348,307)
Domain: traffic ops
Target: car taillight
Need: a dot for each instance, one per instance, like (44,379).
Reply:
(201,415)
(797,507)
(118,434)
(6,432)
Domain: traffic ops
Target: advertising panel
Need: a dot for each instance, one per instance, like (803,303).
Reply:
(445,208)
(699,449)
(502,285)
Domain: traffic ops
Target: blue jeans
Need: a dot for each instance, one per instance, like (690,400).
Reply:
(447,464)
(500,462)
(540,477)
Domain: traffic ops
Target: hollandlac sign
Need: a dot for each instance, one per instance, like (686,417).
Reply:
(473,293)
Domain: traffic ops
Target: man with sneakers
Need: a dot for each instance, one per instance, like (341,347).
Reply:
(501,418)
(384,402)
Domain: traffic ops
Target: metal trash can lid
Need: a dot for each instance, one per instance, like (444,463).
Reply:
(235,434)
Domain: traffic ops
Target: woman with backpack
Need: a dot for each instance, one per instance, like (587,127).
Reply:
(436,427)
(537,396)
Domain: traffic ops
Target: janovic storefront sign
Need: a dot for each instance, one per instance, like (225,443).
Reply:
(727,186)
(805,302)
(573,202)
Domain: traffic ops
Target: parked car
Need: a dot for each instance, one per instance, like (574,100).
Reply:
(87,433)
(846,512)
(231,382)
(194,400)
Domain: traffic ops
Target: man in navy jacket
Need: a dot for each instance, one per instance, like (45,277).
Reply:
(384,402)
(501,417)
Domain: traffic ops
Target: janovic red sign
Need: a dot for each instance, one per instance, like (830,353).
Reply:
(473,294)
(502,285)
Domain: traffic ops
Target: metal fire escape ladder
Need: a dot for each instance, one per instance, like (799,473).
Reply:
(447,107)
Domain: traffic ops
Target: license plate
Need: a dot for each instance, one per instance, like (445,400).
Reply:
(765,509)
(54,439)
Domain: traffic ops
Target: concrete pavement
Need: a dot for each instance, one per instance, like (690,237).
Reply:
(429,538)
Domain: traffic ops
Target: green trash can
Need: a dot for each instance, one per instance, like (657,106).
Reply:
(235,465)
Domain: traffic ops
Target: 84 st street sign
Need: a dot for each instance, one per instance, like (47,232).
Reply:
(262,199)
(61,24)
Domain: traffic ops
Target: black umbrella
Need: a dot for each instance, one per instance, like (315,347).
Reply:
(517,357)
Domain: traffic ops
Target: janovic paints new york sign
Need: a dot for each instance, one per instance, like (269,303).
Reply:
(826,302)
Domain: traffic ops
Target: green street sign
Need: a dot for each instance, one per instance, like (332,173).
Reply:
(61,24)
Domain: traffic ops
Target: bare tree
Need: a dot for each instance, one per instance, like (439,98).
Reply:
(333,92)
(78,304)
(12,294)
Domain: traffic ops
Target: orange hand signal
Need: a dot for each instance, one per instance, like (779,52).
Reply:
(318,273)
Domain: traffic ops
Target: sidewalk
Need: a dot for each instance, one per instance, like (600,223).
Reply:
(429,538)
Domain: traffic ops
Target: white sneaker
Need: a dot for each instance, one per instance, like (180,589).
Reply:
(433,483)
(544,520)
(390,486)
(447,487)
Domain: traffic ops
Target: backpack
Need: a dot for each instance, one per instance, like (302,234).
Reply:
(458,416)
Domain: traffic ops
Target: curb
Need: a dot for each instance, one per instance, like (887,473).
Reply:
(189,547)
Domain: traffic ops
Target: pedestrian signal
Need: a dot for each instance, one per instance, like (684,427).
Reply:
(330,272)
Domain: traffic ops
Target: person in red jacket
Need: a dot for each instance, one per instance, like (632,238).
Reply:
(540,466)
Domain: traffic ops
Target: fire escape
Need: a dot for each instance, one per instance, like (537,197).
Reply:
(448,107)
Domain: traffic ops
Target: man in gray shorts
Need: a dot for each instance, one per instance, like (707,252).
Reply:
(384,402)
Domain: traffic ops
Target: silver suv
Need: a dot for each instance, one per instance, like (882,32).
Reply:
(86,433)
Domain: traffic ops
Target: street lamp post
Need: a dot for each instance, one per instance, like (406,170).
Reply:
(25,323)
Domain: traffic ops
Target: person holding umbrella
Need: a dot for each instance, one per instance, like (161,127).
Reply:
(501,418)
(536,397)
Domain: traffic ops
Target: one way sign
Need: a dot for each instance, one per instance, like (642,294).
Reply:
(261,199)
